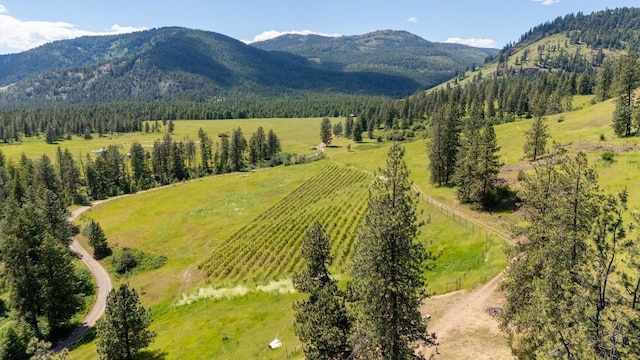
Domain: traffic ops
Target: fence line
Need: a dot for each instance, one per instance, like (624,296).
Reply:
(474,224)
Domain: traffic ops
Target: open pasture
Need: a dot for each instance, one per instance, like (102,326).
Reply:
(296,135)
(207,220)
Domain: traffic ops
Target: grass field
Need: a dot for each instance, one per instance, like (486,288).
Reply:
(292,134)
(207,314)
(231,241)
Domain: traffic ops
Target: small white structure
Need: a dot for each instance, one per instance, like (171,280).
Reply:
(275,344)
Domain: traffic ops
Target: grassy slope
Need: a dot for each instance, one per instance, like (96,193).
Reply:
(185,222)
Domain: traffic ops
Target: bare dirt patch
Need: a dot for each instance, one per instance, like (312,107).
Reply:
(465,326)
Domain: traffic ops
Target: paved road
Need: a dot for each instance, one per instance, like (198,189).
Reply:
(103,285)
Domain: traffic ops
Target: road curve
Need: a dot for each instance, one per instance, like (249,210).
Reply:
(103,285)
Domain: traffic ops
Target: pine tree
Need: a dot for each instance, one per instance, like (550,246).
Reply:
(325,131)
(321,321)
(273,145)
(445,144)
(488,166)
(626,80)
(97,240)
(237,147)
(466,174)
(337,129)
(206,152)
(60,286)
(258,147)
(140,167)
(536,139)
(348,127)
(357,130)
(388,265)
(541,283)
(122,331)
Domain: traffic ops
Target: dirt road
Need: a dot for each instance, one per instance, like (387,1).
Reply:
(103,286)
(464,327)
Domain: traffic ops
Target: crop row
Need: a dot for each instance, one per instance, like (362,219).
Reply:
(268,247)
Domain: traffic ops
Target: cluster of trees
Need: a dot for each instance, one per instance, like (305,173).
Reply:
(382,320)
(111,172)
(572,287)
(44,288)
(465,153)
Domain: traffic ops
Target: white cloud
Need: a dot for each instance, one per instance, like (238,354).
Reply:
(483,43)
(412,19)
(547,2)
(19,35)
(272,34)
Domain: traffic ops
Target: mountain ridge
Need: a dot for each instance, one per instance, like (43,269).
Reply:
(185,64)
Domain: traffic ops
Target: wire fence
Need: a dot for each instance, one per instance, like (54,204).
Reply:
(475,226)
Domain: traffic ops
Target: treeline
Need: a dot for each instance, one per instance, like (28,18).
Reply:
(44,288)
(58,123)
(112,172)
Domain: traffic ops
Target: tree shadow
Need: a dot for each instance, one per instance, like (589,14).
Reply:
(152,355)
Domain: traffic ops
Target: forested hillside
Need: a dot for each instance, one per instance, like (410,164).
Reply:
(392,52)
(174,64)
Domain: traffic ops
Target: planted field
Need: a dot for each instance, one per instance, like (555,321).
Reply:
(268,247)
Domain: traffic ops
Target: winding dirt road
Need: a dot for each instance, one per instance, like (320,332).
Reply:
(103,285)
(463,327)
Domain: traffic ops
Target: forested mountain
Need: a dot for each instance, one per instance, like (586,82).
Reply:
(185,64)
(391,52)
(173,64)
(539,75)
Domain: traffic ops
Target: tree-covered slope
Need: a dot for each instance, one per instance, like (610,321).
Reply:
(176,64)
(390,52)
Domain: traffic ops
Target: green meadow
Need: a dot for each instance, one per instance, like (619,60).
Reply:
(232,241)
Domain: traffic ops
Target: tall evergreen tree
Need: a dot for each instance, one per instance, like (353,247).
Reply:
(237,148)
(466,172)
(69,177)
(536,139)
(444,144)
(348,127)
(542,283)
(337,129)
(488,166)
(97,240)
(123,330)
(604,80)
(626,80)
(321,321)
(258,147)
(388,265)
(357,130)
(206,152)
(140,167)
(273,144)
(325,131)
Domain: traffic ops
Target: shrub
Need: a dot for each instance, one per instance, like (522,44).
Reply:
(602,137)
(607,156)
(125,262)
(521,175)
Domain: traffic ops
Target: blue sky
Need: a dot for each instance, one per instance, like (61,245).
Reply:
(25,24)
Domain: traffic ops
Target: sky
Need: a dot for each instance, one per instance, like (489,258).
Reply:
(25,24)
